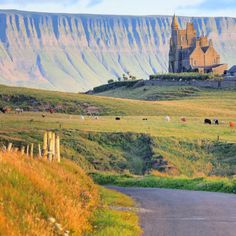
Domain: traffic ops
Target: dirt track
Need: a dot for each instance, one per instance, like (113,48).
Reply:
(184,213)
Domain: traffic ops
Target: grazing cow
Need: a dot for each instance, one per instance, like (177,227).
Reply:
(43,115)
(145,119)
(183,119)
(5,110)
(19,110)
(51,110)
(117,118)
(167,118)
(231,124)
(207,122)
(216,122)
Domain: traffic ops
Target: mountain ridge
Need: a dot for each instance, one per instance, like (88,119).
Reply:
(76,52)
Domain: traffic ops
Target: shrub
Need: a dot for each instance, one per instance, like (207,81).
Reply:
(187,76)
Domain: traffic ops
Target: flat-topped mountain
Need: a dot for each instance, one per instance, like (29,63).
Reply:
(72,52)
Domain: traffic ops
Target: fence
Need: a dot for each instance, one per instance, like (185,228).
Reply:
(50,151)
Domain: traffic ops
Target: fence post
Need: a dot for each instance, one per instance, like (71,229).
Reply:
(27,150)
(50,149)
(45,144)
(49,155)
(58,152)
(9,147)
(32,150)
(22,150)
(53,145)
(40,151)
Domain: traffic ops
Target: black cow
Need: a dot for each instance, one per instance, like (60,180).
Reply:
(145,119)
(4,109)
(117,118)
(207,121)
(216,121)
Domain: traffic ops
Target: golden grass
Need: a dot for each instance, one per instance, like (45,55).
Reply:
(34,190)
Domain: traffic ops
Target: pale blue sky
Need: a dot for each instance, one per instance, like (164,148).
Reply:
(128,7)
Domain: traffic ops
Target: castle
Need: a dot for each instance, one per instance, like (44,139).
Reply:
(188,53)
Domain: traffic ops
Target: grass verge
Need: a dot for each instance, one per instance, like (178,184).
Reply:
(211,184)
(116,216)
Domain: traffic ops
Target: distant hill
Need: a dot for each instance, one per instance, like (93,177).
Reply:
(71,52)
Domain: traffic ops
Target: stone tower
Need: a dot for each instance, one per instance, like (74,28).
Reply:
(191,54)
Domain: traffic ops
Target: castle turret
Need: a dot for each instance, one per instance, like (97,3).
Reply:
(175,24)
(173,44)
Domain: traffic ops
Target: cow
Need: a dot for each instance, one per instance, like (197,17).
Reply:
(231,124)
(145,119)
(19,110)
(43,115)
(167,118)
(207,122)
(183,119)
(118,118)
(216,122)
(5,110)
(51,110)
(82,118)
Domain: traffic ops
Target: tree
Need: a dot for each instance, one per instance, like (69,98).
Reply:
(110,81)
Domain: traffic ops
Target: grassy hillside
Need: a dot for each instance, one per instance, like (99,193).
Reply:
(42,198)
(131,144)
(150,93)
(207,103)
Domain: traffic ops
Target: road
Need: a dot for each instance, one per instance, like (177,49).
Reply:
(184,213)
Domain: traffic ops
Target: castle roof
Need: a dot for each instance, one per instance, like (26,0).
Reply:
(232,69)
(175,24)
(204,49)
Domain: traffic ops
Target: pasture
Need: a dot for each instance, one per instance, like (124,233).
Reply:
(157,126)
(191,147)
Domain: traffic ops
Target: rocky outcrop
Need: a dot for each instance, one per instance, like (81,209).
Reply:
(77,52)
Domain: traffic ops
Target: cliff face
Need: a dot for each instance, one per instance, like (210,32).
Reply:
(77,52)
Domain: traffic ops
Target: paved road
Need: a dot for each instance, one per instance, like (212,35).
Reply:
(184,213)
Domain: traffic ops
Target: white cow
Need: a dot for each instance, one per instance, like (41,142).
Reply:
(167,118)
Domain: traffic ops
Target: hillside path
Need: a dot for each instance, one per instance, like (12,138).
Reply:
(184,213)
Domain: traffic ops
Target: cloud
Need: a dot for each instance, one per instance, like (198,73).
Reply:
(94,3)
(214,5)
(36,3)
(89,3)
(127,7)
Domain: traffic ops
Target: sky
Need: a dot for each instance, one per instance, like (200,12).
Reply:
(128,7)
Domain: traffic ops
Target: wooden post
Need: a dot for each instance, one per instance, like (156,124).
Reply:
(49,146)
(40,151)
(22,150)
(45,144)
(32,150)
(58,152)
(50,149)
(53,145)
(9,147)
(27,150)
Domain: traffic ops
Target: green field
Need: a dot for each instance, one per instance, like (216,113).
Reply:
(131,144)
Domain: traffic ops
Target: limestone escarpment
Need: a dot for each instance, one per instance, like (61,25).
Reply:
(77,52)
